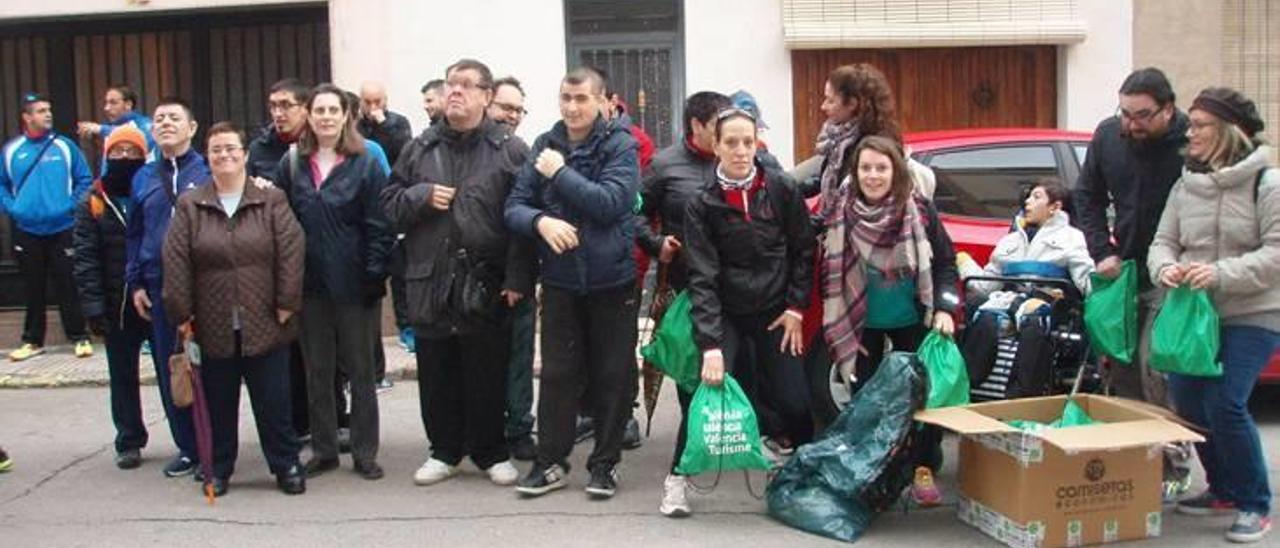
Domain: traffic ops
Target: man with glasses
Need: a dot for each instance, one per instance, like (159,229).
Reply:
(43,176)
(286,102)
(465,271)
(507,107)
(1133,161)
(508,102)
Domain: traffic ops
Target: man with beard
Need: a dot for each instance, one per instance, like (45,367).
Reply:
(1133,161)
(433,100)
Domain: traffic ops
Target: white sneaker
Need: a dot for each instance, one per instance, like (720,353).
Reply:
(675,499)
(503,473)
(434,471)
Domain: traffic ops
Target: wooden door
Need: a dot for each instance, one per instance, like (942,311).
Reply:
(938,88)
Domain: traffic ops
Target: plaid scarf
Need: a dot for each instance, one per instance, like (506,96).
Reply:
(882,236)
(833,141)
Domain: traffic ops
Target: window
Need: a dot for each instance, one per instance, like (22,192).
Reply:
(989,182)
(1081,151)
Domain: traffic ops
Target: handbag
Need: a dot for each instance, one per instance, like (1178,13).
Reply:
(181,386)
(476,292)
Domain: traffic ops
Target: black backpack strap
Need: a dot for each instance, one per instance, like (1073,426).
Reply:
(18,186)
(1257,183)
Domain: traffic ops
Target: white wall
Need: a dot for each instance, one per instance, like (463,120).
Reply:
(406,46)
(737,44)
(1089,73)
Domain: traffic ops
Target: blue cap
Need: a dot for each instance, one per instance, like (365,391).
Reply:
(745,101)
(32,97)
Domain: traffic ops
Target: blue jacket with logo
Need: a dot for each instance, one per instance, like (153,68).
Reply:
(45,203)
(595,192)
(156,188)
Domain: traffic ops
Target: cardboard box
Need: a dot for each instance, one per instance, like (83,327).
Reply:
(1061,487)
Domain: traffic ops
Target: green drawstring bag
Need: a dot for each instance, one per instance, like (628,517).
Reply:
(1111,314)
(948,376)
(672,349)
(1184,339)
(722,434)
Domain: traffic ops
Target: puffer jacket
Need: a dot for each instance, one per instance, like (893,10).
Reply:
(595,192)
(156,188)
(747,262)
(348,236)
(235,272)
(100,256)
(1232,220)
(1056,243)
(481,165)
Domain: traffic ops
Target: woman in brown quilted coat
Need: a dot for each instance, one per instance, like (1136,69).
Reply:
(233,261)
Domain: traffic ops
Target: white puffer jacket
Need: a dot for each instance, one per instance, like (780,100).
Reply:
(1057,243)
(1220,218)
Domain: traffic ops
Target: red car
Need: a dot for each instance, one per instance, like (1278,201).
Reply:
(982,174)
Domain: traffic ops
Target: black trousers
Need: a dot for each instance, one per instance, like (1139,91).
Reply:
(588,343)
(462,395)
(778,378)
(46,261)
(336,337)
(267,377)
(123,347)
(904,339)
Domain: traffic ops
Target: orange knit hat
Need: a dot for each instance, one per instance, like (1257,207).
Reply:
(126,134)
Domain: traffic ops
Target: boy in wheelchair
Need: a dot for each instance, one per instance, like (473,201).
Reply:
(1034,283)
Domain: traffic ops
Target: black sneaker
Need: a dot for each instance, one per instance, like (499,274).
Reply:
(604,483)
(293,481)
(1206,504)
(631,436)
(128,459)
(584,430)
(369,470)
(523,448)
(220,486)
(541,480)
(317,466)
(179,466)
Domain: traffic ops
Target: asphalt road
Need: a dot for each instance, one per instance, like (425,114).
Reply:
(65,491)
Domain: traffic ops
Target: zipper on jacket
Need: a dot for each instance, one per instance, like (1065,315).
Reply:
(124,295)
(173,207)
(235,306)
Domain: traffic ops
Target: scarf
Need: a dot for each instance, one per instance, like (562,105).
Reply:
(882,236)
(834,141)
(735,184)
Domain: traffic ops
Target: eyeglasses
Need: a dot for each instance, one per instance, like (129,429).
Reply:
(513,109)
(281,106)
(1143,116)
(219,151)
(464,85)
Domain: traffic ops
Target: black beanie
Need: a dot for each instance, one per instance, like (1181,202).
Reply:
(1232,106)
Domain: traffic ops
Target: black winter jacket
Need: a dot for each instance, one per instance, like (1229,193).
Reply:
(677,174)
(100,256)
(348,236)
(1135,178)
(740,264)
(265,152)
(596,192)
(482,166)
(392,134)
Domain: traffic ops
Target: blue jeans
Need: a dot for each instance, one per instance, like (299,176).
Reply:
(163,338)
(1232,457)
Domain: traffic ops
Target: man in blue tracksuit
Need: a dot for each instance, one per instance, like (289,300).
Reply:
(120,105)
(43,176)
(155,191)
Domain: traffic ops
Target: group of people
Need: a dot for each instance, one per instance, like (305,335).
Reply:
(273,256)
